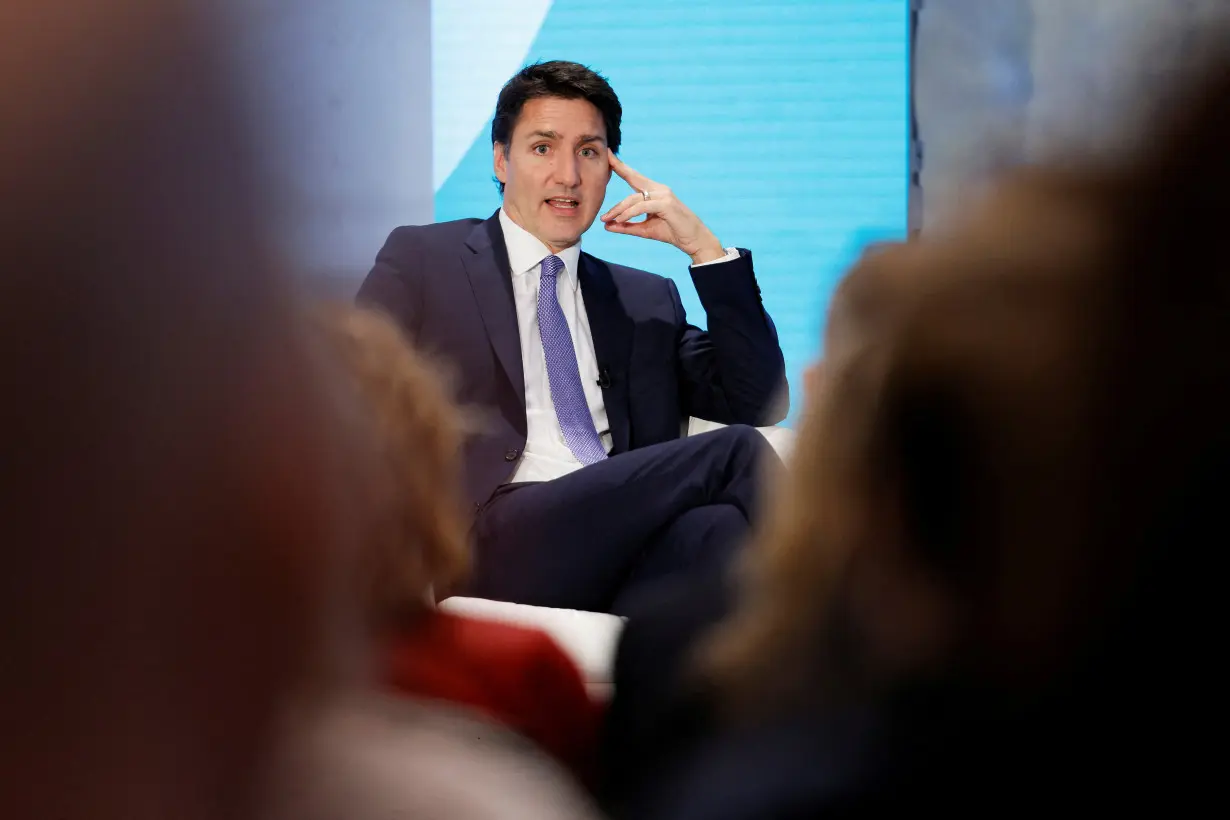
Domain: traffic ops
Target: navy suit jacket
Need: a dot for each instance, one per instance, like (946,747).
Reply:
(450,287)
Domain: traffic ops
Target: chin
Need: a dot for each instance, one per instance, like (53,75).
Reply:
(564,242)
(573,235)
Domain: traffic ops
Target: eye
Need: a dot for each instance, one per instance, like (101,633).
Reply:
(540,150)
(589,153)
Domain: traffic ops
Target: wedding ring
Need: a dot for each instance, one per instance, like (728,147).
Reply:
(645,194)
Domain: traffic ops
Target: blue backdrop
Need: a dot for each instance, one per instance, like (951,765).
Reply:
(784,125)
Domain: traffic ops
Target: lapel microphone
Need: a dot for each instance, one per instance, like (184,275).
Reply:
(604,378)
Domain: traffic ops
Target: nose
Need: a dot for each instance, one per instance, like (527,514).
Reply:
(567,170)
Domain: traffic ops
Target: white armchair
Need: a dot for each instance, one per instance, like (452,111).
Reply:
(589,638)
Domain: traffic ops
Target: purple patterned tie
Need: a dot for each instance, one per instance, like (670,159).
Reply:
(567,394)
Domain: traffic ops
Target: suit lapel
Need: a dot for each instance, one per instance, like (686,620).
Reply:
(486,263)
(612,332)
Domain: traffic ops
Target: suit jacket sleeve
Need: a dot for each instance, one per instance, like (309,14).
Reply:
(734,373)
(391,285)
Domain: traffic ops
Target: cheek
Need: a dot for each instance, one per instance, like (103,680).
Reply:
(595,184)
(535,177)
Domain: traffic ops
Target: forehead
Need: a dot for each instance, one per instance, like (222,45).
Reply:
(568,118)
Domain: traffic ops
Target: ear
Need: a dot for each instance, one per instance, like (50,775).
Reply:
(499,153)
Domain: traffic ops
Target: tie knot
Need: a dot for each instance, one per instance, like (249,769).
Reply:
(552,266)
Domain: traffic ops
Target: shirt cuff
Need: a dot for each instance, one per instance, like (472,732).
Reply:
(731,253)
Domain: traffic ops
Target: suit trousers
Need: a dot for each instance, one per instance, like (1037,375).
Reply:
(597,538)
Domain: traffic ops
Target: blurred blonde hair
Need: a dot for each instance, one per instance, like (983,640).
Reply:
(419,541)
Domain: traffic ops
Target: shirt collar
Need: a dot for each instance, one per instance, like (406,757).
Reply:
(526,251)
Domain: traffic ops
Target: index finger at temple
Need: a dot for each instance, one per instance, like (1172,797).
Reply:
(634,178)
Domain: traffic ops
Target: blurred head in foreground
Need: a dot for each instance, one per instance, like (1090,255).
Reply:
(1008,486)
(170,477)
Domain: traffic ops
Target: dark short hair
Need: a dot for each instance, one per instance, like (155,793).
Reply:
(555,78)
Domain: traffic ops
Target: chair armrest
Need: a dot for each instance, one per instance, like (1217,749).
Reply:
(781,439)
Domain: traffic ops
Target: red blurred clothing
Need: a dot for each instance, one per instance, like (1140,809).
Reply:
(515,675)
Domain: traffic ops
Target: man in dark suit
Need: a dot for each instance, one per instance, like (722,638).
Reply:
(584,489)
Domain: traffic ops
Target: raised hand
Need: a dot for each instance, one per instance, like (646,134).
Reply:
(666,218)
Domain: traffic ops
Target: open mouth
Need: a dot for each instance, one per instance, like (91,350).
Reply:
(560,203)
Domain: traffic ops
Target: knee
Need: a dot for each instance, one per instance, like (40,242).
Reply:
(741,435)
(718,530)
(747,442)
(714,518)
(727,518)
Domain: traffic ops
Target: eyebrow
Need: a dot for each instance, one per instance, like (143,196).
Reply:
(552,135)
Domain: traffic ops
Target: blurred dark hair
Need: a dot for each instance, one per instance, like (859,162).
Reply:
(556,78)
(1017,486)
(1166,396)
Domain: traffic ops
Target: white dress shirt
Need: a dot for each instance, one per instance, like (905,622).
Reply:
(546,454)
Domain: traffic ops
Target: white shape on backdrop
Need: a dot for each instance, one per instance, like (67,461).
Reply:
(483,41)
